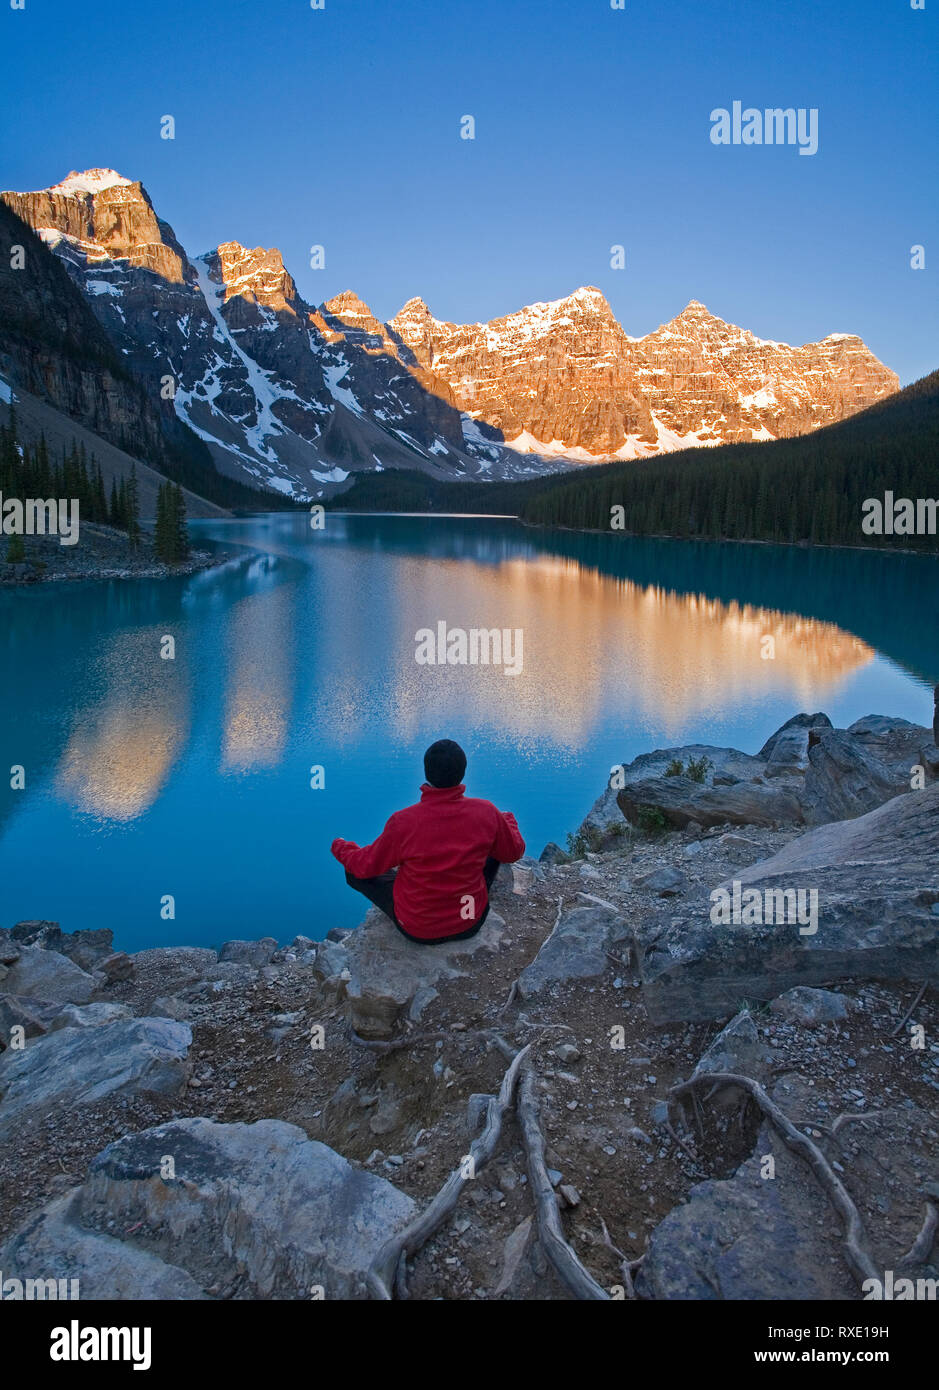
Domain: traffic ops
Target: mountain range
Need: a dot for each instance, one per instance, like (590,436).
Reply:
(295,398)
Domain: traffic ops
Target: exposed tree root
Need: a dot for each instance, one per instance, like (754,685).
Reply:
(857,1255)
(921,1249)
(569,1268)
(388,1269)
(627,1266)
(911,1010)
(408,1040)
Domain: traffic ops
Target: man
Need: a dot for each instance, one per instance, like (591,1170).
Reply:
(447,850)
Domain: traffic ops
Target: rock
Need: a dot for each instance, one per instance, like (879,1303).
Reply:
(88,1016)
(338,934)
(810,1007)
(304,943)
(896,742)
(79,1066)
(256,953)
(876,877)
(387,971)
(665,881)
(929,759)
(738,1048)
(46,975)
(738,846)
(778,1239)
(257,1211)
(331,959)
(553,854)
(32,1015)
(35,933)
(115,967)
(844,780)
(85,948)
(725,763)
(522,879)
(681,800)
(567,1052)
(9,951)
(575,950)
(104,1267)
(386,1116)
(795,728)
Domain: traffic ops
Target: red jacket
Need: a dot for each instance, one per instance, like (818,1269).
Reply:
(439,847)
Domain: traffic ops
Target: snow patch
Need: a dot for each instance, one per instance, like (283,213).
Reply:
(90,181)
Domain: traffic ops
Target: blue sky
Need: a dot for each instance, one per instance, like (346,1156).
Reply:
(341,127)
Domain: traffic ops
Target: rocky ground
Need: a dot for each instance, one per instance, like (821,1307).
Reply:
(387,1053)
(102,552)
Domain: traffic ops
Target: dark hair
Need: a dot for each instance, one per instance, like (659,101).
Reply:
(444,763)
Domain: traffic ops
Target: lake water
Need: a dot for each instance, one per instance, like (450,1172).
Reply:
(191,777)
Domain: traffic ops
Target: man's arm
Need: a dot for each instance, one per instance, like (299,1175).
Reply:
(508,844)
(369,860)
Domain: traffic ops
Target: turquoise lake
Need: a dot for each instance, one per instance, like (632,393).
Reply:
(191,777)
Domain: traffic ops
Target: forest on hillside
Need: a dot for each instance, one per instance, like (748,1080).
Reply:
(806,489)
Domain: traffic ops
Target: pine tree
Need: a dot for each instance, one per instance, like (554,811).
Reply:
(180,529)
(133,508)
(163,535)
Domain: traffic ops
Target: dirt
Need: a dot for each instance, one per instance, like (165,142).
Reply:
(404,1114)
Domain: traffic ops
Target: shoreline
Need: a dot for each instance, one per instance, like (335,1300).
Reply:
(107,554)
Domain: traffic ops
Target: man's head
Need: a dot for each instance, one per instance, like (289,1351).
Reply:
(444,763)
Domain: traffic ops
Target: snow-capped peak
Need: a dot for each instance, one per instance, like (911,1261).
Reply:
(89,181)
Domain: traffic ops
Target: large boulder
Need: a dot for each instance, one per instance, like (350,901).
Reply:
(896,742)
(576,949)
(681,801)
(85,948)
(725,763)
(33,1016)
(253,1211)
(845,780)
(797,726)
(391,977)
(256,953)
(877,881)
(46,975)
(80,1066)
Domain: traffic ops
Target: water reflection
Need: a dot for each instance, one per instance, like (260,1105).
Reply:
(192,775)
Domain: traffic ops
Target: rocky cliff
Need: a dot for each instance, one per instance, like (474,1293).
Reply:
(297,397)
(565,379)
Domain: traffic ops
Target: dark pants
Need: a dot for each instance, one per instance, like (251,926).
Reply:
(380,891)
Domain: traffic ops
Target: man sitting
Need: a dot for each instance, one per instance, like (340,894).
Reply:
(447,849)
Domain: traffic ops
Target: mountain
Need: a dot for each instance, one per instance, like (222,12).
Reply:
(807,489)
(296,398)
(565,379)
(58,355)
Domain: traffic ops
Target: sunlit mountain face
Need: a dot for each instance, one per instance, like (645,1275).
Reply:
(297,398)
